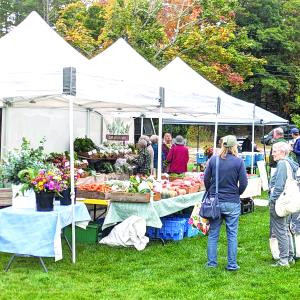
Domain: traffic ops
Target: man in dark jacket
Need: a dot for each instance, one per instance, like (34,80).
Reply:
(277,137)
(296,146)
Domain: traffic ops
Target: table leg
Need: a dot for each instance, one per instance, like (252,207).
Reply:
(68,243)
(43,264)
(10,262)
(95,210)
(13,257)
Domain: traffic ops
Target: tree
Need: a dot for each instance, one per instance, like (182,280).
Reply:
(12,12)
(80,25)
(274,26)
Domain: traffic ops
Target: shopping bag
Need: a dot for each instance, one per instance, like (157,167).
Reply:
(197,221)
(289,200)
(210,208)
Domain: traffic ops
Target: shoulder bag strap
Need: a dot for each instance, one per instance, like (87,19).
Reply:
(289,172)
(217,174)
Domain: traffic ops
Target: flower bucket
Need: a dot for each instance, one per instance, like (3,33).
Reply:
(22,201)
(44,201)
(65,198)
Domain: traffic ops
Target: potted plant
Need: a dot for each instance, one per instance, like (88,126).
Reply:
(45,184)
(17,160)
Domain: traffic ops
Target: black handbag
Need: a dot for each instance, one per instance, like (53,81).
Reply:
(210,208)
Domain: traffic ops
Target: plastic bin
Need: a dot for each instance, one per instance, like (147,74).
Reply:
(152,232)
(259,157)
(247,157)
(201,158)
(172,229)
(84,236)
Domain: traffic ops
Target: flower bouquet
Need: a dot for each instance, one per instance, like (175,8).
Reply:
(45,183)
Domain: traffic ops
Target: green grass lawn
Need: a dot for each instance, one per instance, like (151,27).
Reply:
(173,271)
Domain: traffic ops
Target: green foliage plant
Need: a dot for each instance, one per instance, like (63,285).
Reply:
(20,159)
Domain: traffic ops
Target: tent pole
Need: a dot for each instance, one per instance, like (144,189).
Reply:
(153,126)
(198,136)
(159,158)
(4,132)
(88,122)
(72,173)
(142,125)
(252,144)
(216,124)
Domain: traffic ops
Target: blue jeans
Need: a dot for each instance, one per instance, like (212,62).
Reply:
(230,212)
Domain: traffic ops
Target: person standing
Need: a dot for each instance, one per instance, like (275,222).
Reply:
(178,156)
(143,160)
(154,144)
(296,143)
(232,183)
(166,146)
(150,149)
(278,136)
(279,227)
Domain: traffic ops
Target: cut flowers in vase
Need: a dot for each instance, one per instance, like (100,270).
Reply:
(49,180)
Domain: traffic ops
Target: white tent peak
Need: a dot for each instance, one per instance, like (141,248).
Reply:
(33,40)
(120,60)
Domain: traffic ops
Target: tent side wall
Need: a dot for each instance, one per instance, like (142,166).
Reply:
(37,123)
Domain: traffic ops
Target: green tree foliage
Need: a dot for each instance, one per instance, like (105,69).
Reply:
(12,12)
(80,25)
(274,26)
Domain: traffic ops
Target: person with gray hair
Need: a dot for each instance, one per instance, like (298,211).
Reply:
(149,148)
(278,136)
(279,227)
(143,160)
(154,144)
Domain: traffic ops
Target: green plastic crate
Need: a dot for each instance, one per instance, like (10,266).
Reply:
(84,236)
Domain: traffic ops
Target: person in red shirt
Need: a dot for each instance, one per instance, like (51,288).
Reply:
(178,156)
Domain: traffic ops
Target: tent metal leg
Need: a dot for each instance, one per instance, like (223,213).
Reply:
(10,262)
(43,265)
(67,241)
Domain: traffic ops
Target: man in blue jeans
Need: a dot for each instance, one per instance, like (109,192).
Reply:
(232,183)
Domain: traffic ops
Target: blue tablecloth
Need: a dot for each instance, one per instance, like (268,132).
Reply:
(29,232)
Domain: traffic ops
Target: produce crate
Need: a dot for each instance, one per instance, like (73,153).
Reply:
(92,195)
(151,232)
(172,229)
(189,230)
(5,197)
(130,197)
(84,236)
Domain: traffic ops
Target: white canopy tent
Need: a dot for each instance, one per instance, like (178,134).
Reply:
(32,58)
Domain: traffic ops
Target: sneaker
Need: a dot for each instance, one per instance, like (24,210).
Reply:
(292,261)
(280,264)
(232,270)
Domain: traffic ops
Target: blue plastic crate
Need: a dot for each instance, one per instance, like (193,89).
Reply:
(189,230)
(172,229)
(201,158)
(151,232)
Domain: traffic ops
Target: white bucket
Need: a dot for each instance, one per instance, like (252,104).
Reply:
(22,201)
